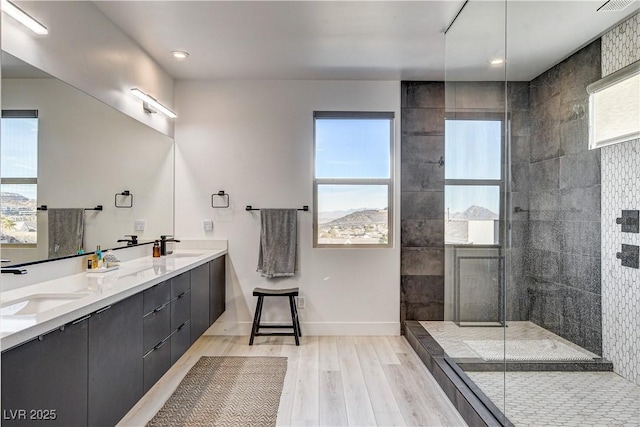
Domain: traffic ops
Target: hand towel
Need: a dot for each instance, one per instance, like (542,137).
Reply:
(278,240)
(66,231)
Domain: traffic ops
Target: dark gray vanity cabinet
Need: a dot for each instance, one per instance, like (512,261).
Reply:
(217,293)
(44,381)
(115,361)
(199,301)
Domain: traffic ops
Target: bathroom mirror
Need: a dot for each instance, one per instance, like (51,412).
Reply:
(64,149)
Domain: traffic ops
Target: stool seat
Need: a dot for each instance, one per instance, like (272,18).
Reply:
(290,294)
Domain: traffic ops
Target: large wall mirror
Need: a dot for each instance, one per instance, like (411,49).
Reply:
(64,149)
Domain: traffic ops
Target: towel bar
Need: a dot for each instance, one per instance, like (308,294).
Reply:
(251,208)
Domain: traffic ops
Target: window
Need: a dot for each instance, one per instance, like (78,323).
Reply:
(19,180)
(353,184)
(614,107)
(473,180)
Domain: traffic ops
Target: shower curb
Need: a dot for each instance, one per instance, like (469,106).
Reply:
(476,409)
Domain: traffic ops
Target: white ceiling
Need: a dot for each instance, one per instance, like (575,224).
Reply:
(364,40)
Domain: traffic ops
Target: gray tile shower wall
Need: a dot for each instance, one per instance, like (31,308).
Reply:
(562,255)
(422,201)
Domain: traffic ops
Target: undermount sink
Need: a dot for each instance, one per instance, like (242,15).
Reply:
(38,303)
(183,255)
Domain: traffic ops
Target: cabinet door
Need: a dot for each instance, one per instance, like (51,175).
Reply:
(199,301)
(217,293)
(44,382)
(115,361)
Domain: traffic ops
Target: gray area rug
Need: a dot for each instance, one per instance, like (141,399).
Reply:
(226,391)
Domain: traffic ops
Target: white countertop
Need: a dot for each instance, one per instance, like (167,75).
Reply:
(98,290)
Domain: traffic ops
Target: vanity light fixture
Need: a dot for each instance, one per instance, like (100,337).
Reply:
(147,99)
(23,17)
(180,54)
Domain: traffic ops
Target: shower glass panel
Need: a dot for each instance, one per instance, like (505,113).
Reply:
(477,186)
(531,324)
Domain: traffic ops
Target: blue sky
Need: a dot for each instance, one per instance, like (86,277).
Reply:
(19,148)
(352,149)
(472,151)
(19,154)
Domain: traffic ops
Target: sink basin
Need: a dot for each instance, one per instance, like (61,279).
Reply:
(38,303)
(183,255)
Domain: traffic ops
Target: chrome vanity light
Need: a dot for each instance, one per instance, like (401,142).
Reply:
(150,101)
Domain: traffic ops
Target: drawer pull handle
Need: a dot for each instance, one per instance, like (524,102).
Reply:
(103,309)
(82,319)
(163,342)
(162,307)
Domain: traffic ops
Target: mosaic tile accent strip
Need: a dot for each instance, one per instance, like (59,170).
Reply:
(453,338)
(621,46)
(620,190)
(525,350)
(580,399)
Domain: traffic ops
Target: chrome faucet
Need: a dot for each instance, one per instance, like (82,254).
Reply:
(163,243)
(130,242)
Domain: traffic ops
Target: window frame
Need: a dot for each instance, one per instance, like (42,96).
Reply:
(499,182)
(389,182)
(22,114)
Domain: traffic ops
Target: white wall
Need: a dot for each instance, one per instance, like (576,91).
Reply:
(254,140)
(620,190)
(85,49)
(88,152)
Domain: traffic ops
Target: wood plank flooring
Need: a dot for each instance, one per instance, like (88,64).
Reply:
(330,381)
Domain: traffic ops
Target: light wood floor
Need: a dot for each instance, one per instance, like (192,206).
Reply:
(330,381)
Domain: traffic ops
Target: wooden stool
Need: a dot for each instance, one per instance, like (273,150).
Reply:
(295,323)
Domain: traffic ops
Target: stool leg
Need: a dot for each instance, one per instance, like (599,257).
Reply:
(294,320)
(256,320)
(297,318)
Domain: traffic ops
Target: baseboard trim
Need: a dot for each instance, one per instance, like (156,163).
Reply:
(315,328)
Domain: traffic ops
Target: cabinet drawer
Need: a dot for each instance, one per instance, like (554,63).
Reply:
(156,363)
(180,341)
(156,327)
(180,284)
(156,296)
(180,310)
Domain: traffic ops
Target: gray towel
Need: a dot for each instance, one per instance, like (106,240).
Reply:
(66,231)
(278,238)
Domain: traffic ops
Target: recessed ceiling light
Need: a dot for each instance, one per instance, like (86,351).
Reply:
(497,61)
(179,54)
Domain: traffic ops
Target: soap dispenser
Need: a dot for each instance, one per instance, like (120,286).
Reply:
(156,249)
